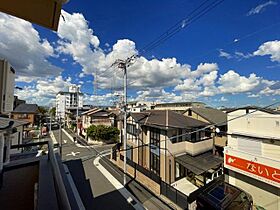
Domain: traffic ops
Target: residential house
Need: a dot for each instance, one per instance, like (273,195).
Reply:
(27,112)
(96,116)
(178,106)
(252,156)
(214,117)
(170,145)
(7,85)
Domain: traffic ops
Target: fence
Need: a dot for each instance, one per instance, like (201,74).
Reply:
(174,195)
(143,170)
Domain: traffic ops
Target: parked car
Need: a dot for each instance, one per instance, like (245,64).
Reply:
(219,195)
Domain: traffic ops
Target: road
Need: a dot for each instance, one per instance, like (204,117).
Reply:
(104,194)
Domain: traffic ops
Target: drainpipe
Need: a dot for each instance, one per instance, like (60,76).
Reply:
(8,146)
(2,143)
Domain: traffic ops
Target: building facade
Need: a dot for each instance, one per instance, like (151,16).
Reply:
(252,156)
(27,112)
(167,144)
(68,100)
(214,117)
(7,83)
(178,106)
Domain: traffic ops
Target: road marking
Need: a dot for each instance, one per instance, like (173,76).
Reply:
(124,192)
(73,154)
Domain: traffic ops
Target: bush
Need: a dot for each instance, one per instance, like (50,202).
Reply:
(103,133)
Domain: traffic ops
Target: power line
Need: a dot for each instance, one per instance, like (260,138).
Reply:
(183,24)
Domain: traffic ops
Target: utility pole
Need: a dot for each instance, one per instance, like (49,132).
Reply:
(122,64)
(77,111)
(60,136)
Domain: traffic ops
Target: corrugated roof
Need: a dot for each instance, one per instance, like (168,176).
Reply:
(166,118)
(200,163)
(26,108)
(214,116)
(5,121)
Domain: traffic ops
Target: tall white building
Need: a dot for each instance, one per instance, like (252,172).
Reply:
(252,156)
(7,83)
(68,100)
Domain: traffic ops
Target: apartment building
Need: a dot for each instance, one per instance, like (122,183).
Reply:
(252,156)
(139,106)
(72,99)
(7,83)
(178,106)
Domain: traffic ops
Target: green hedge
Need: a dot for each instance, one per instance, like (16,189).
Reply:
(103,133)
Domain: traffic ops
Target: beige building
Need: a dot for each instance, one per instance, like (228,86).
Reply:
(166,143)
(7,83)
(252,157)
(178,106)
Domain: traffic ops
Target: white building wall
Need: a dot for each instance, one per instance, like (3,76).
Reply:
(257,141)
(7,83)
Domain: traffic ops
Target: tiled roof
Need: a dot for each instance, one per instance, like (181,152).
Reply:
(5,121)
(214,116)
(166,118)
(26,108)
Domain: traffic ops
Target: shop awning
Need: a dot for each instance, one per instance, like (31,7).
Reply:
(200,163)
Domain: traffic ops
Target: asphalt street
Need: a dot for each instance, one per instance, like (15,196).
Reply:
(94,188)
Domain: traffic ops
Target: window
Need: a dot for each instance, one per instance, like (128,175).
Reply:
(131,129)
(155,164)
(189,112)
(155,150)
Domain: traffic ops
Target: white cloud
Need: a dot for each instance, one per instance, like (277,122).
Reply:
(223,99)
(232,82)
(224,54)
(100,100)
(271,48)
(241,55)
(253,96)
(43,91)
(22,46)
(204,75)
(260,8)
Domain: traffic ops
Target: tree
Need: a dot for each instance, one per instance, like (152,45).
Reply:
(52,111)
(42,110)
(103,133)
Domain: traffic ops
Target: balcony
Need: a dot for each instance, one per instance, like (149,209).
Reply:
(220,141)
(32,181)
(191,147)
(261,168)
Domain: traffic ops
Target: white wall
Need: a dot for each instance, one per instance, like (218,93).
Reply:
(259,124)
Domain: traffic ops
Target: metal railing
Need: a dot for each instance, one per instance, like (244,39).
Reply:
(174,195)
(61,194)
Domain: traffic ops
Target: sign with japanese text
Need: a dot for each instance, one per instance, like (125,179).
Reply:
(259,171)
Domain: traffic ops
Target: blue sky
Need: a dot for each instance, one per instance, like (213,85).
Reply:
(229,57)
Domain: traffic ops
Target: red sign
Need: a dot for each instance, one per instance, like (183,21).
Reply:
(252,167)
